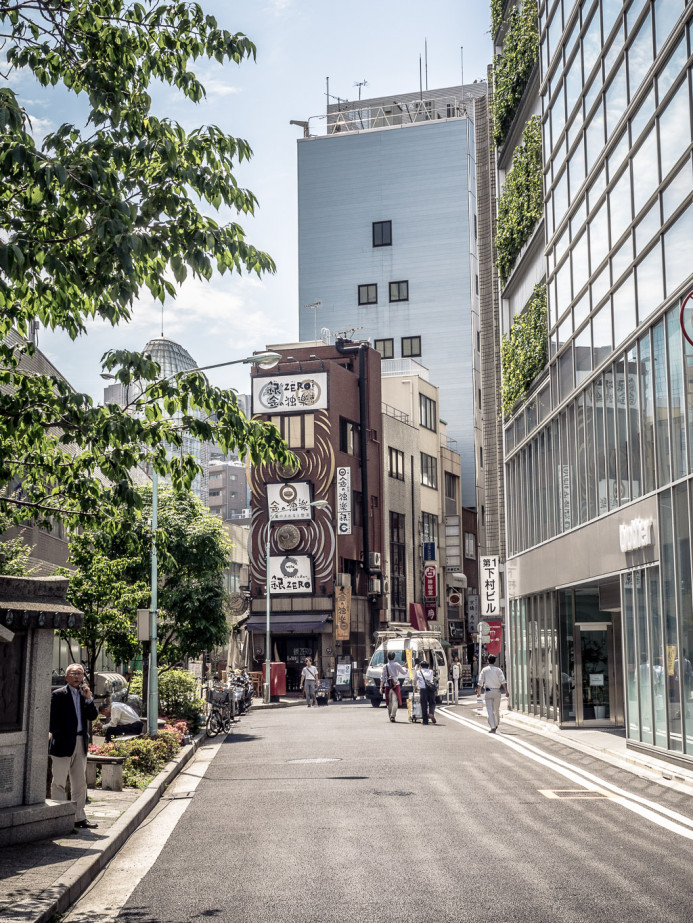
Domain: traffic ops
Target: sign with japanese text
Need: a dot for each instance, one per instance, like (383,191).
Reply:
(489,585)
(429,551)
(344,500)
(494,644)
(430,581)
(472,610)
(289,501)
(431,609)
(290,393)
(342,612)
(291,574)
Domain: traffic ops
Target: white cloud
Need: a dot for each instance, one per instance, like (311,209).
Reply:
(40,127)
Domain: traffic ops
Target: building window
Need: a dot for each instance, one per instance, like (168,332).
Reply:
(349,441)
(396,464)
(297,430)
(382,233)
(478,342)
(479,392)
(427,412)
(451,493)
(429,471)
(411,346)
(386,348)
(469,545)
(398,569)
(429,528)
(476,284)
(214,493)
(481,457)
(357,508)
(399,291)
(368,294)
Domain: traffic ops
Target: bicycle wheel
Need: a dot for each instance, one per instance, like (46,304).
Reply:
(214,723)
(227,720)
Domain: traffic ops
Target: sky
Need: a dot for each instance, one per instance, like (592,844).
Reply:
(299,44)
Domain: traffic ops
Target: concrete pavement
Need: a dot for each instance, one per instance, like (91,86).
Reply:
(42,879)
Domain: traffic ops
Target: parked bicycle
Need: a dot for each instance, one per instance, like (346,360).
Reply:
(220,717)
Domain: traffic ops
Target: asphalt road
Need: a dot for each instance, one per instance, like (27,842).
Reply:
(335,814)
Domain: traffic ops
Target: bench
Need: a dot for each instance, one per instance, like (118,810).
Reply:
(111,772)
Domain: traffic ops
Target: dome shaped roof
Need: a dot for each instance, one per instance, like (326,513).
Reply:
(170,356)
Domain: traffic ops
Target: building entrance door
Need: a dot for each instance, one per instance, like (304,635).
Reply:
(595,674)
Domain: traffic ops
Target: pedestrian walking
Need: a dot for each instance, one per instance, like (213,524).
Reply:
(427,691)
(390,685)
(492,681)
(456,679)
(309,677)
(72,708)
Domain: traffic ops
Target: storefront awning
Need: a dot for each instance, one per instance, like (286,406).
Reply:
(289,622)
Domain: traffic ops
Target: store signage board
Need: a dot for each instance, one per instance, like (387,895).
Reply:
(289,501)
(431,609)
(429,551)
(290,393)
(291,574)
(342,613)
(430,581)
(489,584)
(344,500)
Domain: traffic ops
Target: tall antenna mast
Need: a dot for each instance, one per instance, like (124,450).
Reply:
(359,84)
(426,59)
(420,81)
(162,319)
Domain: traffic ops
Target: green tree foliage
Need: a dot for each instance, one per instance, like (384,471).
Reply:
(95,217)
(193,555)
(14,553)
(178,695)
(524,351)
(101,588)
(512,68)
(521,203)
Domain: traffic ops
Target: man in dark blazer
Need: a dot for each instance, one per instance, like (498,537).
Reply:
(72,707)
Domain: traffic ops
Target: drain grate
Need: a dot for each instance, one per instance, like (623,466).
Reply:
(393,794)
(324,759)
(558,794)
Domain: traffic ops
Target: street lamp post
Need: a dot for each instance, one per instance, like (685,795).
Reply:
(318,504)
(266,360)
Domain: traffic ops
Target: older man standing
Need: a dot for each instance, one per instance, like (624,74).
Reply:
(72,707)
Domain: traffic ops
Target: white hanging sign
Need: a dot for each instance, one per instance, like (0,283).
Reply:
(291,574)
(290,393)
(289,501)
(489,586)
(344,501)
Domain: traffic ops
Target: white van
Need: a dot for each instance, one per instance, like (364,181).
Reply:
(424,644)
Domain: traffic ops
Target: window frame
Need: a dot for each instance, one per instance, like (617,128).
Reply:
(384,355)
(411,354)
(381,225)
(399,297)
(428,413)
(366,286)
(429,471)
(395,467)
(349,435)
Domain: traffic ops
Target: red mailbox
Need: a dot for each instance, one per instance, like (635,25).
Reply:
(277,678)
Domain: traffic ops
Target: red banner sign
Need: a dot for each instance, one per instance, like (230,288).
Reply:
(431,609)
(493,645)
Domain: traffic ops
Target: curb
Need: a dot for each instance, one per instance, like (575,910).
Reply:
(65,892)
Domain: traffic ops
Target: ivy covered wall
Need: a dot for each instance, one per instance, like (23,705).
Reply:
(523,351)
(496,16)
(512,68)
(521,202)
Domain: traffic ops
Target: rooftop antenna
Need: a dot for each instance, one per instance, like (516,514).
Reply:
(420,81)
(462,64)
(426,59)
(162,320)
(359,84)
(315,305)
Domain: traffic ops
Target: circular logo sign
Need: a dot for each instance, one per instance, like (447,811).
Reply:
(289,567)
(288,493)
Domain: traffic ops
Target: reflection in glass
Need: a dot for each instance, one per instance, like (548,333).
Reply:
(573,83)
(620,206)
(602,335)
(580,260)
(631,655)
(677,190)
(622,432)
(666,14)
(640,56)
(642,116)
(666,540)
(645,669)
(601,284)
(634,423)
(597,188)
(659,364)
(618,155)
(659,677)
(594,137)
(650,280)
(680,671)
(633,13)
(622,258)
(611,487)
(645,171)
(576,166)
(600,450)
(677,418)
(624,310)
(677,251)
(591,44)
(647,417)
(647,227)
(563,288)
(589,453)
(581,308)
(676,63)
(675,128)
(583,355)
(615,100)
(565,372)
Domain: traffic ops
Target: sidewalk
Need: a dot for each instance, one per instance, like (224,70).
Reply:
(608,744)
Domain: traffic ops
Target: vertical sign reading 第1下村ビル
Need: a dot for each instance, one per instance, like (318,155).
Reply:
(489,587)
(344,501)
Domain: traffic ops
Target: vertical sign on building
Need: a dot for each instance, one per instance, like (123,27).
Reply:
(489,586)
(344,501)
(430,576)
(342,612)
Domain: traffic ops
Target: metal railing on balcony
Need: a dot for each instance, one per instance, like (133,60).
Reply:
(396,414)
(394,368)
(353,116)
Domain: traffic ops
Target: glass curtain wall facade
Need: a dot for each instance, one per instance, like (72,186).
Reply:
(610,422)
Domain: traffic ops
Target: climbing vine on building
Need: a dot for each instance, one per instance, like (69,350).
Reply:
(521,202)
(512,68)
(496,16)
(524,350)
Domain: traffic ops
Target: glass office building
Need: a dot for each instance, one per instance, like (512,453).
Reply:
(599,460)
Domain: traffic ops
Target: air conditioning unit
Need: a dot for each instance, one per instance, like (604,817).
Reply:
(343,580)
(374,560)
(246,513)
(375,586)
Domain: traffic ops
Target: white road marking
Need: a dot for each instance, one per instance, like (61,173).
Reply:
(658,814)
(110,892)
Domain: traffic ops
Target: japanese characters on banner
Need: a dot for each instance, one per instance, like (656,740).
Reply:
(489,585)
(430,576)
(291,574)
(290,393)
(289,501)
(342,612)
(344,501)
(494,643)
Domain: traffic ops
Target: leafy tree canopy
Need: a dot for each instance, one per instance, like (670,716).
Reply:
(90,220)
(193,554)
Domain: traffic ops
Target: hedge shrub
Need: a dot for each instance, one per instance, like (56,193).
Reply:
(512,68)
(521,203)
(524,351)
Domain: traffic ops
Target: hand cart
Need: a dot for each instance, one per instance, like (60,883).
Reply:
(322,691)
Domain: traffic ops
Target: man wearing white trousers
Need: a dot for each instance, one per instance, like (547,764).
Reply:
(492,681)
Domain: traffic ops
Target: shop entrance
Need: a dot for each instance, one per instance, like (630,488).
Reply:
(597,698)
